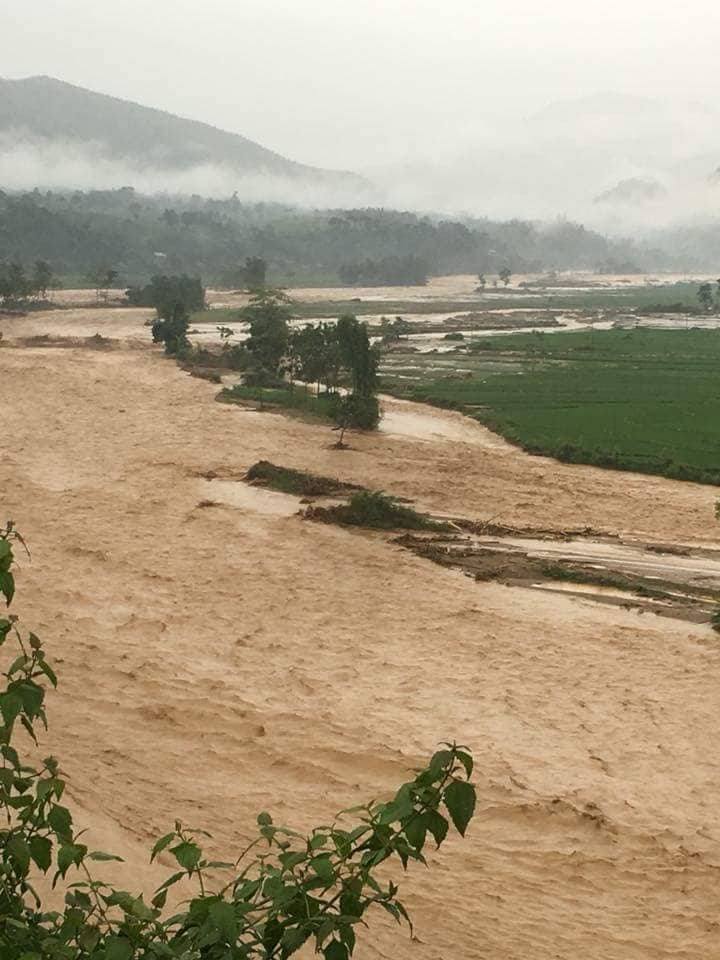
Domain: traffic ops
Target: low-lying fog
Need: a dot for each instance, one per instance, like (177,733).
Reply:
(619,164)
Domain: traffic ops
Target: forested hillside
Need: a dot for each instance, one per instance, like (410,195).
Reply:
(136,235)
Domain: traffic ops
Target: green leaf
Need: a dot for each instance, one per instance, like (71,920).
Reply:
(10,707)
(161,844)
(437,825)
(60,820)
(104,857)
(467,761)
(48,671)
(459,798)
(323,868)
(222,916)
(351,905)
(69,854)
(187,855)
(264,820)
(89,938)
(159,899)
(347,935)
(32,696)
(29,727)
(140,910)
(291,860)
(7,586)
(323,932)
(415,831)
(335,951)
(118,948)
(120,898)
(45,787)
(397,809)
(41,852)
(272,933)
(440,760)
(17,664)
(293,939)
(20,852)
(170,881)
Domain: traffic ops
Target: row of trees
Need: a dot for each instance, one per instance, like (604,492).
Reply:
(504,275)
(330,356)
(18,285)
(327,355)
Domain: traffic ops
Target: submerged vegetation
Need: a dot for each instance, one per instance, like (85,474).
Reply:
(283,891)
(376,510)
(299,482)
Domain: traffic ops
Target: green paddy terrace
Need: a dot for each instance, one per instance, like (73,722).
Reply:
(643,399)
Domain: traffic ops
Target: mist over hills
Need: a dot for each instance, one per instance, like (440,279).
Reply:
(557,160)
(627,167)
(57,135)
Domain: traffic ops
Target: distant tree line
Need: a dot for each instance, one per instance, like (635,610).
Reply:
(252,245)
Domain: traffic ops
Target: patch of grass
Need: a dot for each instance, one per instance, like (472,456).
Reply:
(298,482)
(303,402)
(377,511)
(642,400)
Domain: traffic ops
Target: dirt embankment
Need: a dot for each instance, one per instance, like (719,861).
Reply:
(220,661)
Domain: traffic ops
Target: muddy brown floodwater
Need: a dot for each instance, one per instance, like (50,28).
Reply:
(220,659)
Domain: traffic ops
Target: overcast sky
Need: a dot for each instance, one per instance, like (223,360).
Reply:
(357,82)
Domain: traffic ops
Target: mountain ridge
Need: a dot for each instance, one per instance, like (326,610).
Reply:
(43,110)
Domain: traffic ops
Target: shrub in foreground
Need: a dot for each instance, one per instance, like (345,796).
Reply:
(283,891)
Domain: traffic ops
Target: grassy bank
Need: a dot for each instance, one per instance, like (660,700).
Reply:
(299,400)
(644,400)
